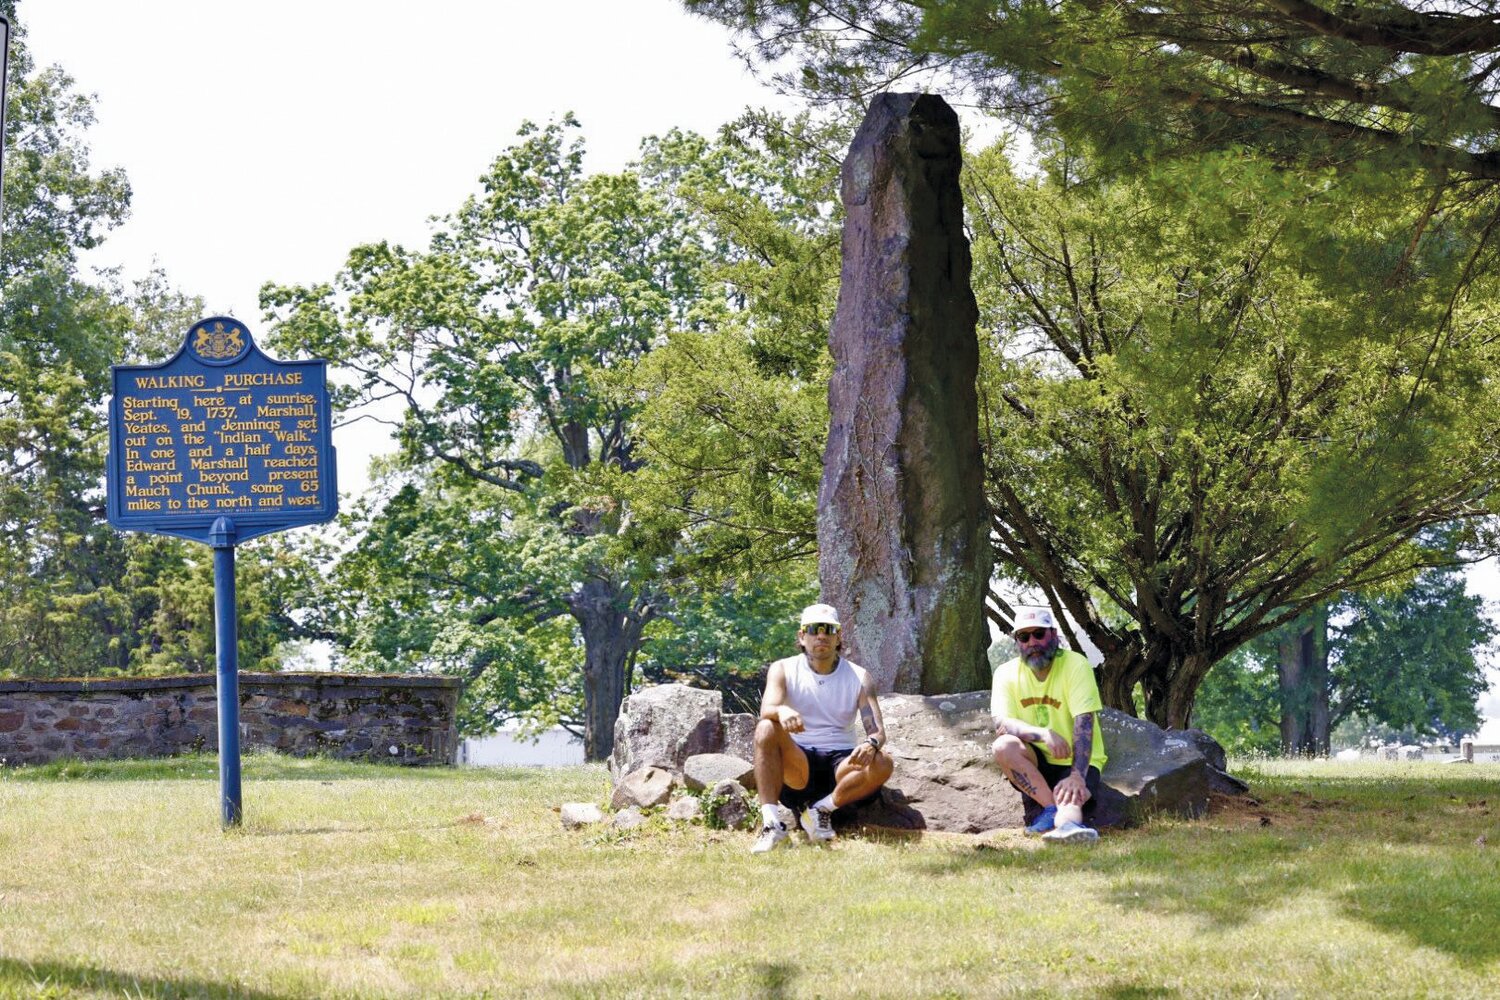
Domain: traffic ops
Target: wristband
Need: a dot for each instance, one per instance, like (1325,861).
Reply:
(873,742)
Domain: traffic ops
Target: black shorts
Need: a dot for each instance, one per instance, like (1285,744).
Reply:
(1053,774)
(822,775)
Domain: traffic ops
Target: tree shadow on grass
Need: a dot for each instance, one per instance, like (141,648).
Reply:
(48,977)
(1133,991)
(1401,861)
(775,978)
(768,981)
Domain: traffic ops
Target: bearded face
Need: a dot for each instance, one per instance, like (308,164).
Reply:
(1038,653)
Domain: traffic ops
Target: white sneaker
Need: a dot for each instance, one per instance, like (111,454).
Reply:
(769,837)
(1071,833)
(818,823)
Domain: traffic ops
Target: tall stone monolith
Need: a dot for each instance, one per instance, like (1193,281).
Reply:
(902,534)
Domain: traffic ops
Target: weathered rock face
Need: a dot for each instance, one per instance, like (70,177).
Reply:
(941,746)
(903,542)
(733,810)
(705,770)
(945,773)
(1152,770)
(739,735)
(644,788)
(663,726)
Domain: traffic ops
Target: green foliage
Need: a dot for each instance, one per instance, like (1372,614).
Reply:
(1189,423)
(1408,660)
(1239,703)
(734,417)
(725,636)
(1402,667)
(1395,85)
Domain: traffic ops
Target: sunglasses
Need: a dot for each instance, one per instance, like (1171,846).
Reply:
(1032,635)
(821,629)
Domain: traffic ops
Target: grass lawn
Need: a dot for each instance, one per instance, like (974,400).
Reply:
(357,881)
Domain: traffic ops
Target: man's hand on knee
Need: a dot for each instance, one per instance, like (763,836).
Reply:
(1071,791)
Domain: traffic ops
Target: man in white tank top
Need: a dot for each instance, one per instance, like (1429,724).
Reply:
(809,754)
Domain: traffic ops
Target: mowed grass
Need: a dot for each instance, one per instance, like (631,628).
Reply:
(361,881)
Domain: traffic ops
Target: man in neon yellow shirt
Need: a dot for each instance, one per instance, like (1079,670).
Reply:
(1045,704)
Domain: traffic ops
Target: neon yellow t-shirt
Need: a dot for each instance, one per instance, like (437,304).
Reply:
(1068,691)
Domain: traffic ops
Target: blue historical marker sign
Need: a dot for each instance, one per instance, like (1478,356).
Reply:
(221,444)
(220,430)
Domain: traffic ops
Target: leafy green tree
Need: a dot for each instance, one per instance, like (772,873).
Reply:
(498,343)
(734,417)
(613,417)
(1404,662)
(1190,424)
(1410,660)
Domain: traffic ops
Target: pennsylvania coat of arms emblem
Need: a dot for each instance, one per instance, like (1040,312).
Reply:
(217,344)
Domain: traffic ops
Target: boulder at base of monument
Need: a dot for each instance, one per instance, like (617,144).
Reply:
(1151,770)
(944,770)
(650,786)
(664,725)
(705,770)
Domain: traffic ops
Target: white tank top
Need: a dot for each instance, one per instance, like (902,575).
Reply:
(828,703)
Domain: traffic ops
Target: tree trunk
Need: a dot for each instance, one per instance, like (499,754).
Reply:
(611,628)
(1302,663)
(1182,691)
(1168,680)
(1120,674)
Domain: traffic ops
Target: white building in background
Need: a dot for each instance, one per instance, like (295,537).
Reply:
(554,747)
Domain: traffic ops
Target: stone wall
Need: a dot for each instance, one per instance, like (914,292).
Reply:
(398,719)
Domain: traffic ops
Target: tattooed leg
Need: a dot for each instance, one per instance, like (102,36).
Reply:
(1018,761)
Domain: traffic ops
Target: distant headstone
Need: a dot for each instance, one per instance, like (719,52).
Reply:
(903,538)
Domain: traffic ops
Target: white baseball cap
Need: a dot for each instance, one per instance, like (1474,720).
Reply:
(820,614)
(1032,618)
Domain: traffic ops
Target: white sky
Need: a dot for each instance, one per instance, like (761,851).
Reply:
(263,141)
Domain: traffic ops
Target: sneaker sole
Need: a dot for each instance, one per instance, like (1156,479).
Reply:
(1074,837)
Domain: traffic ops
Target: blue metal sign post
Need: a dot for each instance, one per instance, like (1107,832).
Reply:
(221,444)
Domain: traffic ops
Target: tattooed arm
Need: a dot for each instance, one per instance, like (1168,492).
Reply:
(1083,742)
(1055,744)
(1073,790)
(870,718)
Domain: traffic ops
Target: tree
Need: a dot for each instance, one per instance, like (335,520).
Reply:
(575,426)
(1195,436)
(1402,661)
(497,343)
(1302,673)
(734,417)
(1302,80)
